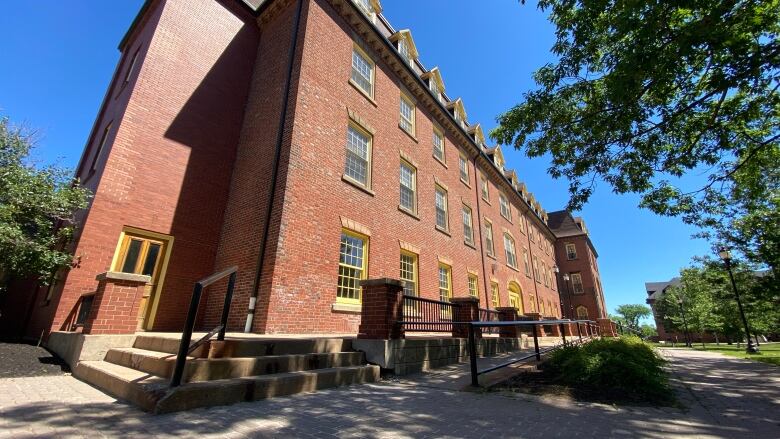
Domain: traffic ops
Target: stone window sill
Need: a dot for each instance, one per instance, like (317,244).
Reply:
(357,184)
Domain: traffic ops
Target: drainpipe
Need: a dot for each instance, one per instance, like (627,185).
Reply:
(479,233)
(275,172)
(531,261)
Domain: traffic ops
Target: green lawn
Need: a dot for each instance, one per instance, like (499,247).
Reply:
(770,353)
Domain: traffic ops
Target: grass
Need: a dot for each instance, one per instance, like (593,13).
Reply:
(769,352)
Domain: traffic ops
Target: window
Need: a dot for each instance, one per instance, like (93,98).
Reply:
(526,263)
(357,166)
(362,72)
(463,165)
(491,249)
(576,282)
(536,269)
(582,313)
(468,230)
(408,193)
(571,251)
(445,288)
(139,255)
(403,49)
(473,285)
(532,302)
(531,233)
(407,115)
(100,147)
(438,145)
(442,221)
(434,87)
(506,212)
(509,248)
(545,277)
(366,6)
(494,297)
(547,247)
(485,189)
(541,308)
(409,273)
(352,266)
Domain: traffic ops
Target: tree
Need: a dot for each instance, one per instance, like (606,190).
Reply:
(37,208)
(645,93)
(698,310)
(632,313)
(648,330)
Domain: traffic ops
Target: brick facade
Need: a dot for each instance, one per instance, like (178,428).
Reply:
(190,154)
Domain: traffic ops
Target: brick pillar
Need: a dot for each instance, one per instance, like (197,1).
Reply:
(555,330)
(607,328)
(465,309)
(535,316)
(115,307)
(507,314)
(570,329)
(382,309)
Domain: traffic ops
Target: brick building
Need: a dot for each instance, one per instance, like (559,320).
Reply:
(581,294)
(305,142)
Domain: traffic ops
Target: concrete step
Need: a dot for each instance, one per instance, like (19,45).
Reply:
(231,391)
(202,369)
(140,388)
(152,393)
(243,347)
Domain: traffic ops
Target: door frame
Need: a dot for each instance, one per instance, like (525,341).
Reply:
(142,233)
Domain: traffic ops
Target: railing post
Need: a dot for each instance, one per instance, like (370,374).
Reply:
(465,309)
(563,333)
(536,343)
(226,306)
(579,330)
(186,336)
(507,314)
(381,309)
(473,355)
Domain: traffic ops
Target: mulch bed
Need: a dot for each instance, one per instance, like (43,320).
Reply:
(25,360)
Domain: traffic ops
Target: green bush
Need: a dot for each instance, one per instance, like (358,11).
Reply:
(613,369)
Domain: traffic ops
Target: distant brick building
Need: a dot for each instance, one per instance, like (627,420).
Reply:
(304,142)
(581,291)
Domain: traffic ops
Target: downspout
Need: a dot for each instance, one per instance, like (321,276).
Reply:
(533,272)
(275,172)
(479,233)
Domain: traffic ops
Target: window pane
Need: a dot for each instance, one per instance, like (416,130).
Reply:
(350,266)
(441,208)
(464,169)
(131,256)
(438,146)
(468,231)
(151,259)
(407,187)
(489,239)
(357,156)
(473,286)
(361,71)
(407,115)
(408,269)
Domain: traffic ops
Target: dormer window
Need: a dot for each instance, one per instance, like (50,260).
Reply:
(369,7)
(458,112)
(405,45)
(435,83)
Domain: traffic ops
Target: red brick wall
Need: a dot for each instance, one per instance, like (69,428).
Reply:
(586,264)
(167,162)
(316,200)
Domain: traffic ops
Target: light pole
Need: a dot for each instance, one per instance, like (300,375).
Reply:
(725,255)
(685,322)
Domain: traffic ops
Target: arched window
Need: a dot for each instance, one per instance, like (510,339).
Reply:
(582,313)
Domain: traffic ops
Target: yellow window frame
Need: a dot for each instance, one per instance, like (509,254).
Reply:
(363,270)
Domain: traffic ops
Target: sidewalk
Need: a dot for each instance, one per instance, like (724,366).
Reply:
(727,397)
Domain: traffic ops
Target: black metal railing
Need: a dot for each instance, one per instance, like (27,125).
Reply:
(586,330)
(489,315)
(185,348)
(426,315)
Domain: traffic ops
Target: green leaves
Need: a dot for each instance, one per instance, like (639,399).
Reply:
(645,94)
(630,314)
(37,207)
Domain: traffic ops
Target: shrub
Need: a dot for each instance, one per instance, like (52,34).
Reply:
(614,369)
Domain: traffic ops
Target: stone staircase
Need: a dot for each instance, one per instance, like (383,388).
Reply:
(221,373)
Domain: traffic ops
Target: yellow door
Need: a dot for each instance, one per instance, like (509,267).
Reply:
(142,255)
(515,300)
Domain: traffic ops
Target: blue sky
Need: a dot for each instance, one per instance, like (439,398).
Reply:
(59,57)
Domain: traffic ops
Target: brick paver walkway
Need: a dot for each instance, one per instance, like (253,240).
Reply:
(727,397)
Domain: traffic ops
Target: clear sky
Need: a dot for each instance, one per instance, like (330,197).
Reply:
(58,58)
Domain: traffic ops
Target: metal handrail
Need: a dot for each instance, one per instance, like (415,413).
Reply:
(186,337)
(591,330)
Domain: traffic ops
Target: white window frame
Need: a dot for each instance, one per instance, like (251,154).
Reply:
(468,225)
(413,188)
(445,208)
(356,50)
(510,251)
(505,207)
(407,123)
(360,131)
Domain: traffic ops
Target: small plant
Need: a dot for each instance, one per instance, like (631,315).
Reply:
(621,369)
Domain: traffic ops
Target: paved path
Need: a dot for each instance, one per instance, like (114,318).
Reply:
(728,397)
